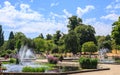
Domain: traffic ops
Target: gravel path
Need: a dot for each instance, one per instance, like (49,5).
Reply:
(114,70)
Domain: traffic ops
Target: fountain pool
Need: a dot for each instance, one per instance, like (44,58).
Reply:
(26,57)
(102,54)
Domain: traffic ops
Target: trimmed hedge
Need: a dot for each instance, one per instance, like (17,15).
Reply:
(88,63)
(12,60)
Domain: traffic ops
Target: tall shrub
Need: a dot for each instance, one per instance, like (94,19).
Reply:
(88,63)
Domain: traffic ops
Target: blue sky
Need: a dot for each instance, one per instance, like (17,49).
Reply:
(33,17)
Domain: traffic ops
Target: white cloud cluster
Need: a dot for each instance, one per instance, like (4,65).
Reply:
(30,21)
(114,5)
(112,10)
(81,11)
(100,27)
(67,13)
(111,16)
(54,4)
(27,20)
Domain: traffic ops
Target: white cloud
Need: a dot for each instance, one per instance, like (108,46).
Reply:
(117,6)
(109,7)
(114,5)
(112,17)
(100,27)
(67,13)
(28,21)
(81,11)
(54,15)
(54,4)
(31,0)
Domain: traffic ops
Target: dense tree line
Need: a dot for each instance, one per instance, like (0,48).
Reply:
(80,38)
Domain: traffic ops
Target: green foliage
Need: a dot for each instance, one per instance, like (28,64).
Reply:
(10,44)
(18,44)
(21,38)
(56,37)
(9,51)
(89,47)
(11,36)
(71,42)
(85,33)
(3,54)
(12,60)
(88,63)
(74,21)
(48,37)
(105,44)
(33,69)
(55,49)
(1,36)
(41,36)
(49,45)
(116,31)
(39,44)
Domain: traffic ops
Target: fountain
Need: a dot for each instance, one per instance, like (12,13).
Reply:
(102,56)
(26,57)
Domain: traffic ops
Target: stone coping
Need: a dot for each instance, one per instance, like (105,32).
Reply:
(61,73)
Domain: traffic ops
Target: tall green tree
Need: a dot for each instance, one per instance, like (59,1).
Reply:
(11,36)
(74,21)
(85,33)
(48,37)
(41,36)
(20,39)
(56,37)
(1,36)
(71,42)
(104,42)
(116,31)
(39,44)
(11,42)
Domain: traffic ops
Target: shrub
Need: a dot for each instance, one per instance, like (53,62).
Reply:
(52,60)
(88,63)
(33,69)
(12,60)
(3,54)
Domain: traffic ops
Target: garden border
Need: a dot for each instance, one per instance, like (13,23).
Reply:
(61,73)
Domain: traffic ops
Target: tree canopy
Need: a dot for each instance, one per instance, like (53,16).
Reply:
(71,42)
(74,21)
(116,31)
(89,47)
(85,33)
